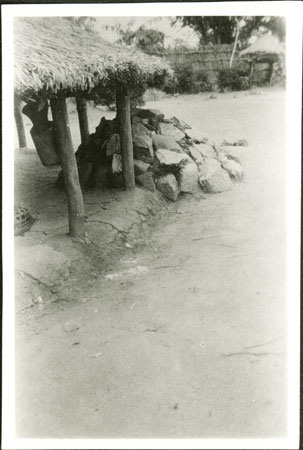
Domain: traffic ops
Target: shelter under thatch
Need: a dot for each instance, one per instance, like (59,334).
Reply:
(53,54)
(267,47)
(55,59)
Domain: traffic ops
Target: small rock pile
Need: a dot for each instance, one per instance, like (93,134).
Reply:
(169,156)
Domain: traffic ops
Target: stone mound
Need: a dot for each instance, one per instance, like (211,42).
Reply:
(169,155)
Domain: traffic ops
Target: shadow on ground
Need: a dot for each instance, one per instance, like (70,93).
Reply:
(49,264)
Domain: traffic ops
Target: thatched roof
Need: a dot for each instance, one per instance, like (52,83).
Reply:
(265,45)
(53,54)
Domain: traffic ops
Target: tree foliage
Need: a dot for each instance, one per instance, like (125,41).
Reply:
(256,25)
(222,29)
(211,29)
(146,39)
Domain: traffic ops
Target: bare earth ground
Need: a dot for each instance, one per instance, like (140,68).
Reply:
(184,336)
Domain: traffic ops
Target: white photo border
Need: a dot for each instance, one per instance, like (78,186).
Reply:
(292,11)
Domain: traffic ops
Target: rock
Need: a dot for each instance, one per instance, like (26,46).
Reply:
(197,136)
(143,148)
(170,158)
(218,181)
(113,145)
(167,142)
(150,118)
(116,164)
(242,142)
(234,158)
(140,167)
(189,176)
(206,150)
(146,180)
(231,153)
(168,129)
(196,155)
(180,124)
(237,143)
(168,185)
(185,143)
(234,169)
(154,114)
(209,167)
(139,129)
(151,124)
(222,157)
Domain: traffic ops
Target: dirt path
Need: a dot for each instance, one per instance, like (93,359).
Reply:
(185,336)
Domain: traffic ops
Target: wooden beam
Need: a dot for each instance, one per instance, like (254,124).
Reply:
(83,120)
(125,131)
(69,166)
(19,122)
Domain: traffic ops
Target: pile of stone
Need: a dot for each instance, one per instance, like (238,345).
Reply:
(169,156)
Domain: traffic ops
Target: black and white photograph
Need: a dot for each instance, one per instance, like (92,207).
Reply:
(151,225)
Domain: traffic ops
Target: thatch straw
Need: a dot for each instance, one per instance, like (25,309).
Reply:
(52,54)
(266,44)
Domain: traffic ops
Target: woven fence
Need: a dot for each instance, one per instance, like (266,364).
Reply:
(211,59)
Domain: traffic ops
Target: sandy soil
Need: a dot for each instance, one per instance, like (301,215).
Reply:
(185,336)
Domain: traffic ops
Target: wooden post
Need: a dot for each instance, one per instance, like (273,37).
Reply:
(83,120)
(125,131)
(251,72)
(69,166)
(235,44)
(19,122)
(270,72)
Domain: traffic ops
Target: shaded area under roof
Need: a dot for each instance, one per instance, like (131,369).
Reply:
(52,54)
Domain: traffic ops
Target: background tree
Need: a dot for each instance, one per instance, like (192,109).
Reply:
(258,25)
(211,29)
(145,39)
(179,45)
(222,29)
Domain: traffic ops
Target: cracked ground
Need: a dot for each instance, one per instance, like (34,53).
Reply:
(184,336)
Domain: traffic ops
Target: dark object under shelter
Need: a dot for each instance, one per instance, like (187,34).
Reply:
(56,59)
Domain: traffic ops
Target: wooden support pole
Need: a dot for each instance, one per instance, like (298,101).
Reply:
(251,72)
(19,122)
(125,131)
(235,44)
(270,72)
(83,120)
(69,166)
